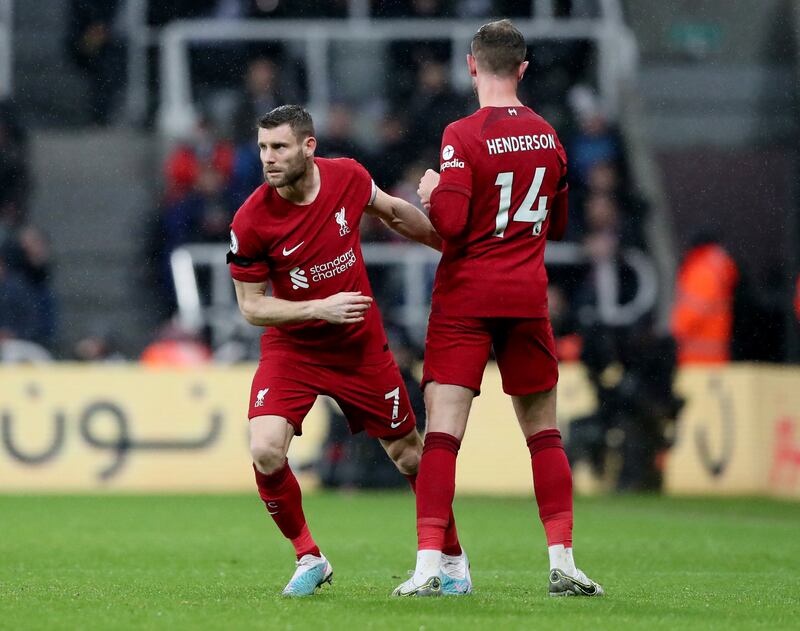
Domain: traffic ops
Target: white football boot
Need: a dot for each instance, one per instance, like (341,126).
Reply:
(562,584)
(312,572)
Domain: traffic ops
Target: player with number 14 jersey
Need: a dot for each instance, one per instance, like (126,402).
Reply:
(509,164)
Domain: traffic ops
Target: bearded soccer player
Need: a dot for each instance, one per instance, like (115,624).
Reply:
(299,233)
(500,193)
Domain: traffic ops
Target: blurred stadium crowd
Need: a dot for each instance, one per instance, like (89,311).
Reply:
(206,176)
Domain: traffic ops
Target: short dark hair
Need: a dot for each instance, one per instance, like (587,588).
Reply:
(499,47)
(296,116)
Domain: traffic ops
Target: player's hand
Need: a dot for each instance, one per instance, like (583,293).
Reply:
(346,307)
(427,183)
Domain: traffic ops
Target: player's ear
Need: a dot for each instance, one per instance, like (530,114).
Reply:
(309,146)
(472,65)
(522,68)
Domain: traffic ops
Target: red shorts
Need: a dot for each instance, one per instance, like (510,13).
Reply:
(372,398)
(457,349)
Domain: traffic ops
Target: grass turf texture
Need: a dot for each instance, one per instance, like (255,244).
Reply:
(217,562)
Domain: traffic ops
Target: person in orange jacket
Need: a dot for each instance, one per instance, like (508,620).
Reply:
(702,316)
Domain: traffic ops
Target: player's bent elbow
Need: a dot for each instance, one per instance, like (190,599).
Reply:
(247,309)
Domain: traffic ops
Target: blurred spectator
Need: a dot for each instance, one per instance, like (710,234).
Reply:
(201,215)
(265,89)
(475,9)
(97,51)
(605,188)
(595,141)
(28,254)
(206,147)
(18,309)
(392,153)
(14,351)
(196,207)
(177,347)
(609,283)
(565,328)
(796,301)
(632,371)
(555,66)
(702,316)
(98,346)
(434,104)
(14,178)
(759,330)
(337,141)
(247,174)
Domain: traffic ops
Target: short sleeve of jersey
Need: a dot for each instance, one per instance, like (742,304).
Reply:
(455,172)
(247,256)
(365,189)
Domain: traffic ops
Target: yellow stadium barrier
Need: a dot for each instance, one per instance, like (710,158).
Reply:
(739,432)
(125,427)
(70,427)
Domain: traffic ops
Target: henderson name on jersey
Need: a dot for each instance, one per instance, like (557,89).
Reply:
(509,163)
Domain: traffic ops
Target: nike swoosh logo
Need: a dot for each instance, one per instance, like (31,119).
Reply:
(288,252)
(587,590)
(399,423)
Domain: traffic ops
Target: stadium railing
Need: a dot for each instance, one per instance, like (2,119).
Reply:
(142,37)
(177,114)
(6,49)
(206,298)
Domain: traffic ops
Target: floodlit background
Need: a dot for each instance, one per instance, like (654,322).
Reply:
(127,142)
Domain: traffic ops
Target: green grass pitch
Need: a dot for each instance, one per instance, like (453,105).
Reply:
(217,562)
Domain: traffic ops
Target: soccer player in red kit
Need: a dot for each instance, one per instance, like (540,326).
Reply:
(299,233)
(500,193)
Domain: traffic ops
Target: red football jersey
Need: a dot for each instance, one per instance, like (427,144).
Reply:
(511,165)
(308,252)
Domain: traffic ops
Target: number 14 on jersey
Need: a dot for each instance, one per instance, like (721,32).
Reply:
(524,213)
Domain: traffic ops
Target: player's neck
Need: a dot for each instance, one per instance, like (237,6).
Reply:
(494,92)
(305,190)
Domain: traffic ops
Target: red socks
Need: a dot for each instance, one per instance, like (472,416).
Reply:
(281,495)
(436,486)
(451,544)
(552,483)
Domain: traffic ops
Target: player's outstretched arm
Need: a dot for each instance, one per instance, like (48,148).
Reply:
(347,307)
(404,218)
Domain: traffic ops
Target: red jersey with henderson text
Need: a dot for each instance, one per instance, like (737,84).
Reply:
(511,165)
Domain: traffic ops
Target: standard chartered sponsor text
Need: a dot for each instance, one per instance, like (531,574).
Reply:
(333,267)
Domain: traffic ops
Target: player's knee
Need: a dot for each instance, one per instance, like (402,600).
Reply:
(268,457)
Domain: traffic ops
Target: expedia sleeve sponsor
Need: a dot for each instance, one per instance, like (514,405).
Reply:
(452,164)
